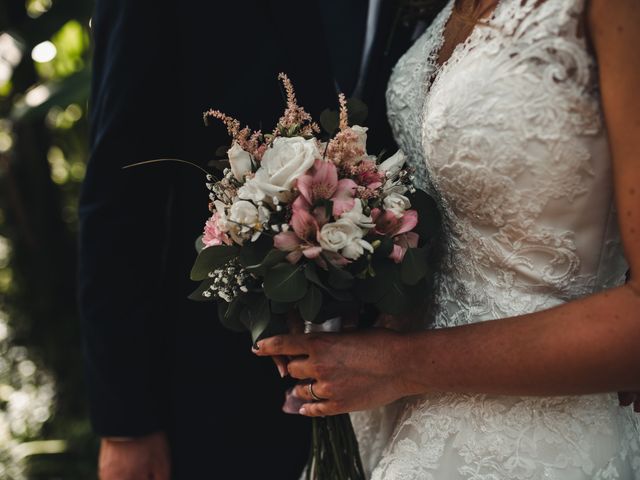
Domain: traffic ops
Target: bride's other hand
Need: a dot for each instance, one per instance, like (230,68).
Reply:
(350,371)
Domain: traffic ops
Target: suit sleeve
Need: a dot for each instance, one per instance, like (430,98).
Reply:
(124,215)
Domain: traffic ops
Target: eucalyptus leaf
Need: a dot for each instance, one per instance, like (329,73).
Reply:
(256,315)
(272,258)
(285,283)
(358,111)
(199,245)
(254,253)
(339,278)
(229,314)
(311,273)
(310,304)
(330,121)
(280,308)
(340,295)
(211,258)
(414,266)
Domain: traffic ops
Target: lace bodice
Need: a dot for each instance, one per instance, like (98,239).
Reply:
(508,134)
(518,154)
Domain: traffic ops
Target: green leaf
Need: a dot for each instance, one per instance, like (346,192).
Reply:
(310,304)
(414,266)
(339,278)
(340,295)
(197,294)
(330,120)
(229,314)
(211,258)
(311,273)
(373,288)
(358,111)
(199,245)
(285,283)
(272,258)
(256,315)
(280,308)
(252,254)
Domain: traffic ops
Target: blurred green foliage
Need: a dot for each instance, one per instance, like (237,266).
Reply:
(44,85)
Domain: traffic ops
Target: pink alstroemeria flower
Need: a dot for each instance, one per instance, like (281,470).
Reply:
(369,176)
(398,228)
(321,183)
(302,240)
(401,244)
(212,235)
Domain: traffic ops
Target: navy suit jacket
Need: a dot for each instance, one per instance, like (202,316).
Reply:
(155,360)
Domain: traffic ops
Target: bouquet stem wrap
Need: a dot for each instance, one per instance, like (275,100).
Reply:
(334,451)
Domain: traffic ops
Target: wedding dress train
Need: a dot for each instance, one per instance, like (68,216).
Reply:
(509,136)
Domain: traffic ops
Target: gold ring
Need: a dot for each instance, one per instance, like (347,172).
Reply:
(312,393)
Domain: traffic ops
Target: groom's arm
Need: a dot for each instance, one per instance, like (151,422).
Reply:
(123,219)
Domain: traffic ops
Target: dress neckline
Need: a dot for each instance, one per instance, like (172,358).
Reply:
(434,66)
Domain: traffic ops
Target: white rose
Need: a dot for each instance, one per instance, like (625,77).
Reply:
(396,203)
(240,161)
(356,216)
(245,220)
(345,237)
(362,135)
(282,164)
(391,167)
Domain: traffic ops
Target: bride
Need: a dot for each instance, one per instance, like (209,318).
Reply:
(523,118)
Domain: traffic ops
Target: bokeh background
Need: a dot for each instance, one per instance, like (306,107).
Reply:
(45,54)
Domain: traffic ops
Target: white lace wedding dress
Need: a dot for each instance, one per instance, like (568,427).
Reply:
(509,135)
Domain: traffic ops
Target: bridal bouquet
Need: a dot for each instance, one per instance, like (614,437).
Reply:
(317,227)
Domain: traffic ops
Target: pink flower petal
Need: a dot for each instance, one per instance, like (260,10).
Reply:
(304,224)
(294,257)
(397,254)
(326,174)
(286,241)
(408,222)
(312,252)
(341,205)
(343,198)
(305,186)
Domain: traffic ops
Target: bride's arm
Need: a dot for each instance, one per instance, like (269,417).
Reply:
(585,346)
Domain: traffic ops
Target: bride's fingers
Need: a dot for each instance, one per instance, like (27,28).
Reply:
(282,345)
(301,390)
(321,409)
(300,368)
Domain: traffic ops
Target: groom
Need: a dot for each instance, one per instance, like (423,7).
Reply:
(173,394)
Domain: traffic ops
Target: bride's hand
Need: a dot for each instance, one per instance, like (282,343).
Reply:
(350,371)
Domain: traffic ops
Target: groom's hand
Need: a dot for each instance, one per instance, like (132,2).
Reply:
(144,458)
